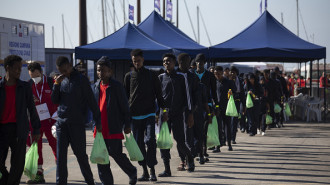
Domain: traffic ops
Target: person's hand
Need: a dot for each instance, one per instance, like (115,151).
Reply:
(217,111)
(230,92)
(190,120)
(99,128)
(59,79)
(250,92)
(165,117)
(127,130)
(35,99)
(209,118)
(35,137)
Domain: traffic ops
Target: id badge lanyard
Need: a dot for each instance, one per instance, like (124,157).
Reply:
(42,88)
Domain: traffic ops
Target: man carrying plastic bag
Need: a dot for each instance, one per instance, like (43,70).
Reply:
(15,99)
(224,88)
(113,104)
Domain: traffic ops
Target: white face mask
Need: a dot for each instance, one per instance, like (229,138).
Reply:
(36,80)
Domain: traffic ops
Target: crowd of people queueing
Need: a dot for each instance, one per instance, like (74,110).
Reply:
(187,98)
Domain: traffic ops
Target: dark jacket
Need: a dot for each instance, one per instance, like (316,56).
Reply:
(24,103)
(174,92)
(202,98)
(74,96)
(256,90)
(208,79)
(193,83)
(142,89)
(222,92)
(117,105)
(284,86)
(272,90)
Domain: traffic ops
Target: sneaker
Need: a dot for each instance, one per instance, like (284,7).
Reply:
(258,131)
(181,167)
(202,160)
(165,174)
(263,133)
(233,142)
(38,180)
(230,148)
(216,150)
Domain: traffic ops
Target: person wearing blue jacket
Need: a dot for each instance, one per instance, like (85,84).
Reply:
(73,94)
(15,99)
(115,116)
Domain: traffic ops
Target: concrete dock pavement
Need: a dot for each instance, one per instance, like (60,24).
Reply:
(298,153)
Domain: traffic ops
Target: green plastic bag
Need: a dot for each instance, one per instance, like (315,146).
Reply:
(164,139)
(249,102)
(287,110)
(0,175)
(215,125)
(269,120)
(212,134)
(31,161)
(133,149)
(231,108)
(100,154)
(277,108)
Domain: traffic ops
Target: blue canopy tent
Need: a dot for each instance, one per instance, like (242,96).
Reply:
(118,46)
(166,33)
(266,40)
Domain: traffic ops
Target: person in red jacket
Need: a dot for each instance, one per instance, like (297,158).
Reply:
(42,89)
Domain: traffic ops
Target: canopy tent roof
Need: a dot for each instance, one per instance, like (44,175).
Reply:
(166,33)
(118,45)
(267,40)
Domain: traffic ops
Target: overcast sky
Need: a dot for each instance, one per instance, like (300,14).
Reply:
(223,18)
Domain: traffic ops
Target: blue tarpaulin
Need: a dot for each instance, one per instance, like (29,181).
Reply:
(266,40)
(166,33)
(118,46)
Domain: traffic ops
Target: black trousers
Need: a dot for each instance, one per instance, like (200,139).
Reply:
(234,121)
(115,149)
(75,135)
(242,121)
(193,136)
(144,134)
(8,138)
(224,128)
(176,125)
(253,117)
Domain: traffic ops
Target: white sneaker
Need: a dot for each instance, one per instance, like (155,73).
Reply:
(258,131)
(263,133)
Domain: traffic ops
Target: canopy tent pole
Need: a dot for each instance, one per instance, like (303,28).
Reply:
(318,78)
(325,94)
(311,77)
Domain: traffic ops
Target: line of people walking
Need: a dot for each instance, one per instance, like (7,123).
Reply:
(187,98)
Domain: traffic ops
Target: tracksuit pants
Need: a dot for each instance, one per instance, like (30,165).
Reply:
(224,128)
(176,125)
(75,135)
(144,134)
(115,149)
(8,138)
(46,128)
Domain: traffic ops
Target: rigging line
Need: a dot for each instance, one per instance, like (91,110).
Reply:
(207,33)
(56,38)
(302,20)
(116,15)
(192,26)
(110,14)
(66,29)
(90,34)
